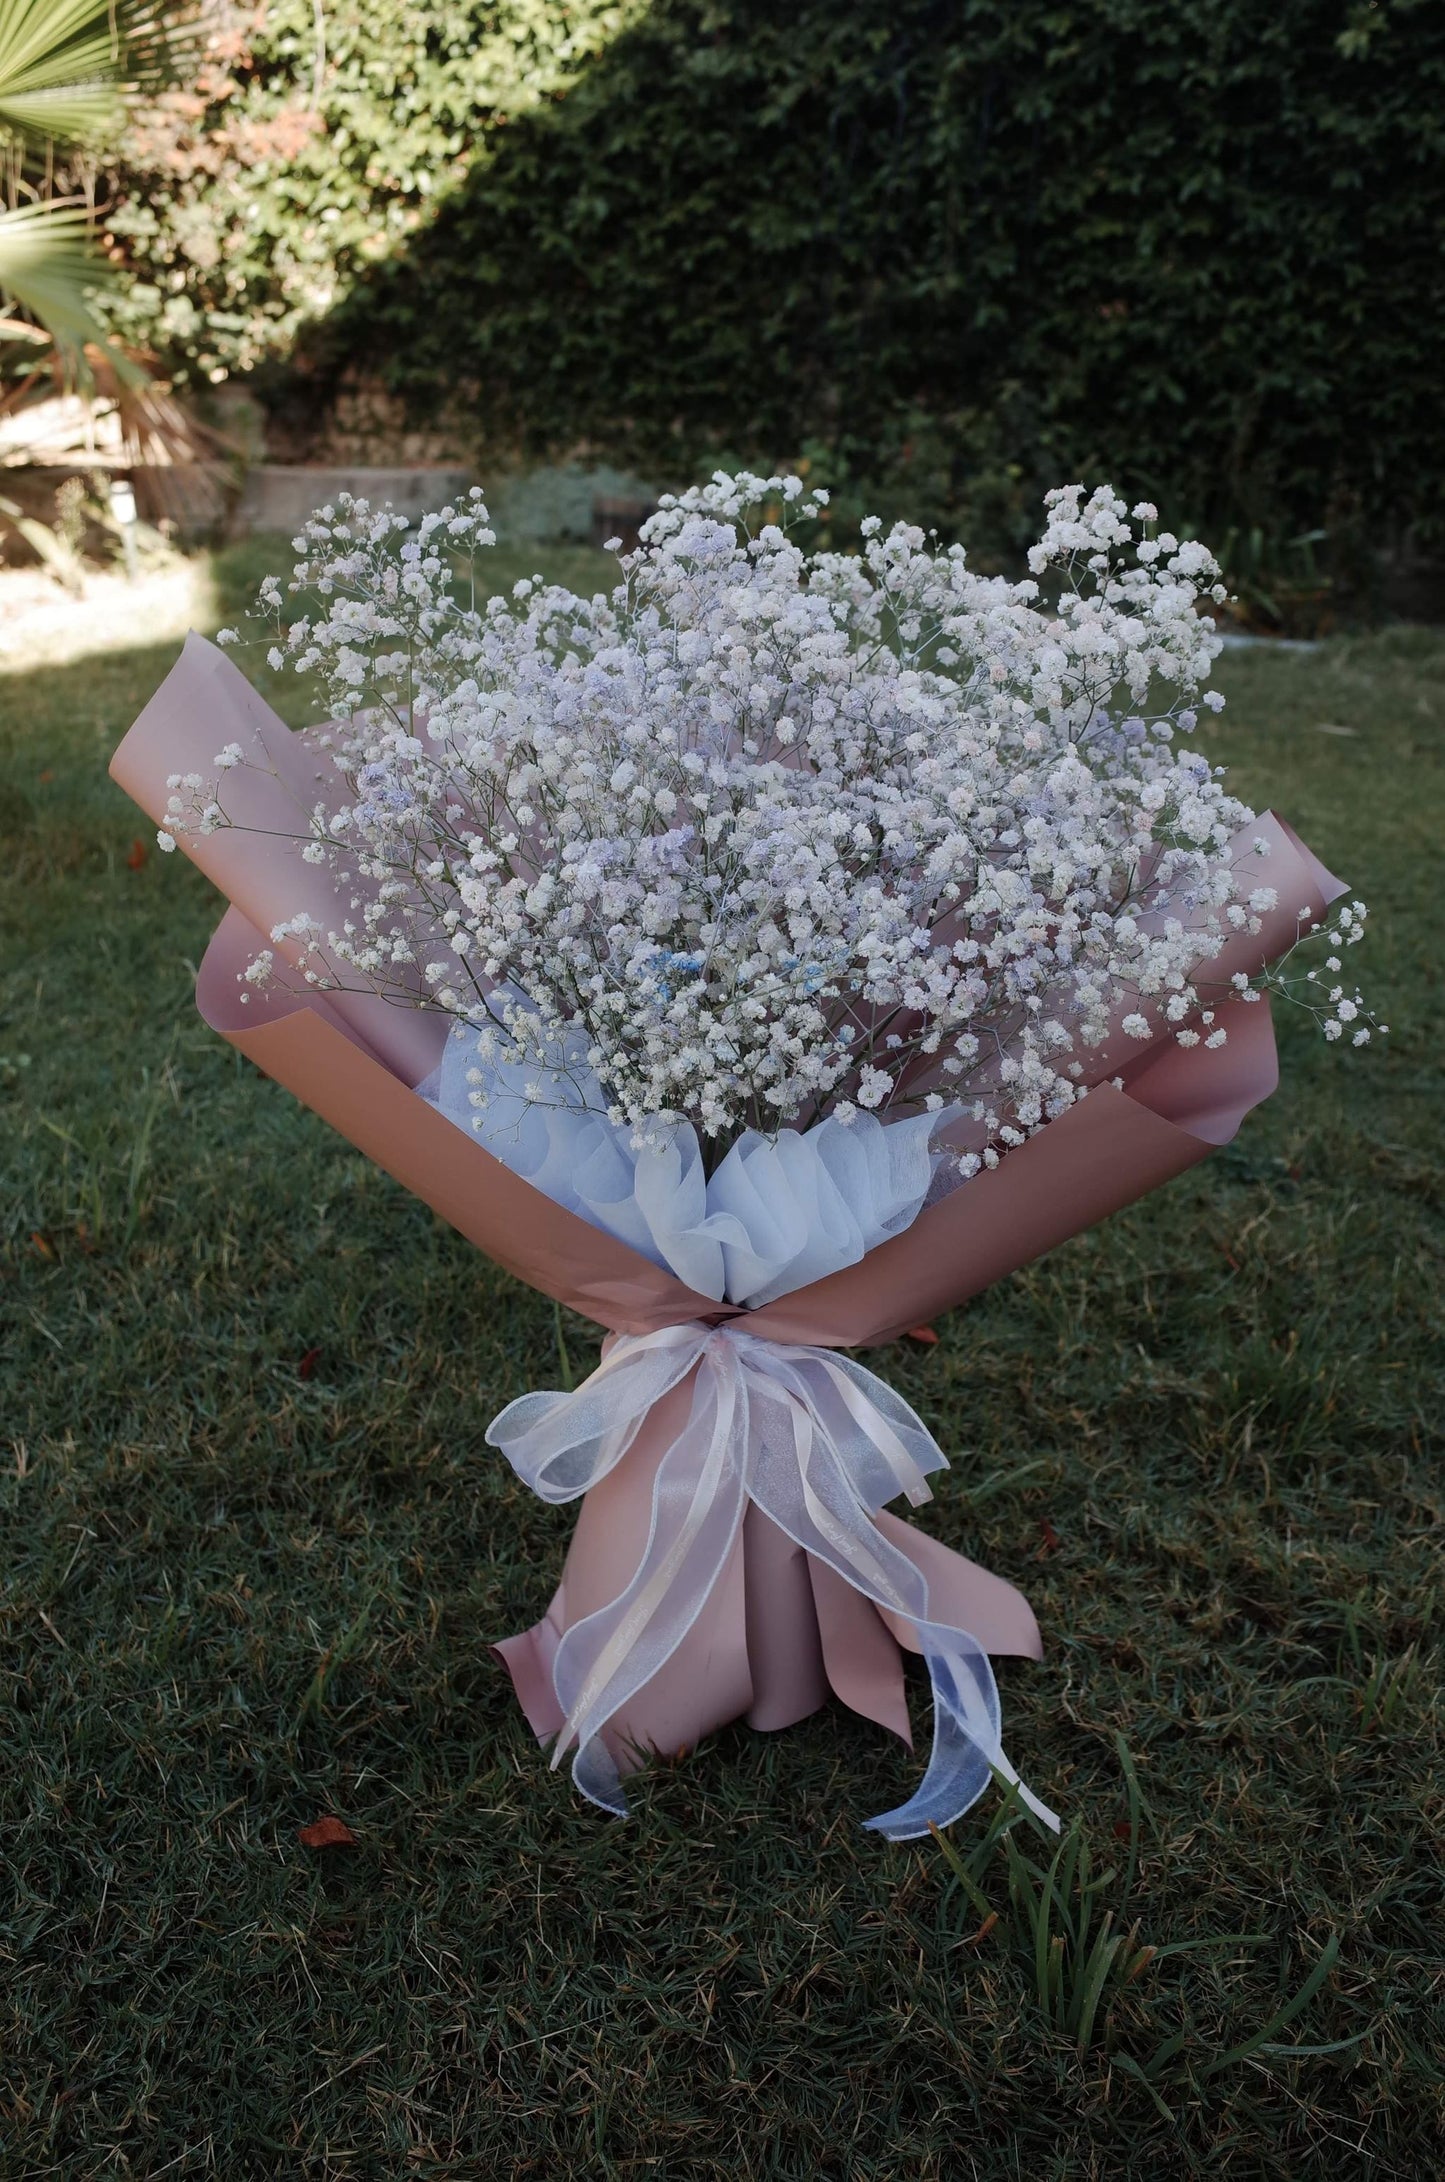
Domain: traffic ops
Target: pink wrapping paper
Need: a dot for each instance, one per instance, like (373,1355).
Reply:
(780,1630)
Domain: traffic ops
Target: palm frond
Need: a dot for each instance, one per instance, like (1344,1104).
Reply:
(120,419)
(66,65)
(181,468)
(49,269)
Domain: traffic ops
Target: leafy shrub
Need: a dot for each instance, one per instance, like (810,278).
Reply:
(952,250)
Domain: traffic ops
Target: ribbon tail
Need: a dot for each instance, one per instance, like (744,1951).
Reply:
(698,1499)
(595,1774)
(963,1759)
(806,1482)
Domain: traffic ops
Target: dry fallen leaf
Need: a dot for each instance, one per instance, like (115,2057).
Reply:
(307,1366)
(138,854)
(925,1334)
(326,1832)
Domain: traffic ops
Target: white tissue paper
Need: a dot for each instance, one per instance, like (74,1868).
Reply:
(777,1212)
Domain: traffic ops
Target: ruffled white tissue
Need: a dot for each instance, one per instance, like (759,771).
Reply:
(777,1212)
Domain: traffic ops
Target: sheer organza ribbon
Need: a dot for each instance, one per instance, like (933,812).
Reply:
(819,1444)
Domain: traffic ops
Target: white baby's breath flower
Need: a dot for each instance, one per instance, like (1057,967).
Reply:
(766,835)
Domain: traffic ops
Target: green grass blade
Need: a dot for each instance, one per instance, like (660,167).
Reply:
(1284,2015)
(1132,2069)
(960,1871)
(1309,2053)
(1101,1961)
(1134,1797)
(313,1704)
(564,1361)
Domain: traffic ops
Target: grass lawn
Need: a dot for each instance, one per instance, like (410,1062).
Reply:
(254,1548)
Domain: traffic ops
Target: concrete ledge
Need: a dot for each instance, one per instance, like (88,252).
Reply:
(280,496)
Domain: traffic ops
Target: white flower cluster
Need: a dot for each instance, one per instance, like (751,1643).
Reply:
(1338,1013)
(767,834)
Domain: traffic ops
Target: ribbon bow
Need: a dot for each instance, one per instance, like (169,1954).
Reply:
(820,1444)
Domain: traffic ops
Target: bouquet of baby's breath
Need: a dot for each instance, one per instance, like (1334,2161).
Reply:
(769,894)
(760,835)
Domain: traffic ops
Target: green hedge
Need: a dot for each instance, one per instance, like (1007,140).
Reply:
(951,250)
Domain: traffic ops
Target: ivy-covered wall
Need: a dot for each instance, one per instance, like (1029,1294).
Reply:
(952,247)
